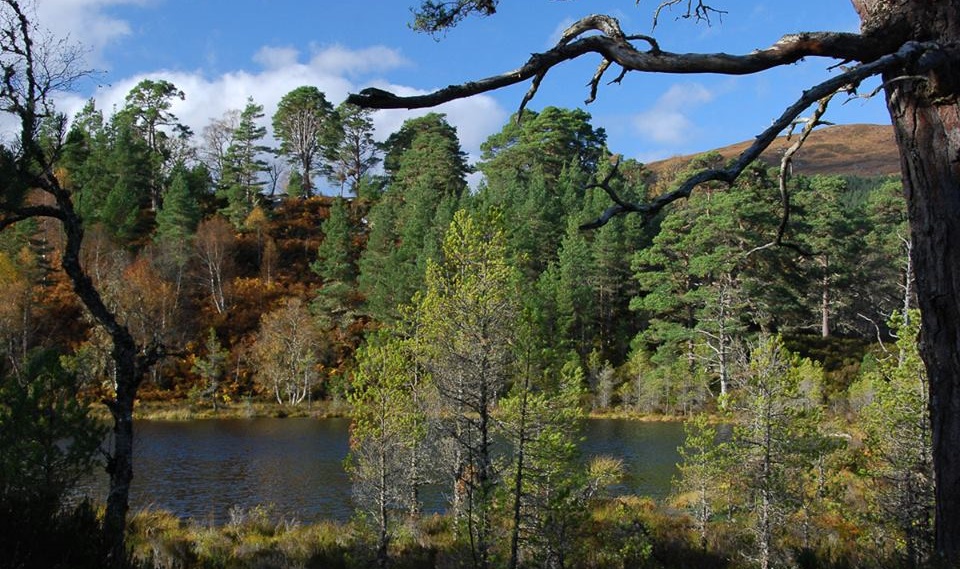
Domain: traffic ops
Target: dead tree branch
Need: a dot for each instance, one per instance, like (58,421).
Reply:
(700,12)
(786,168)
(616,47)
(851,77)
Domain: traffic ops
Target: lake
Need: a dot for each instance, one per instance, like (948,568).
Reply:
(200,469)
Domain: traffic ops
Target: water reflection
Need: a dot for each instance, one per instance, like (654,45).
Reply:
(200,469)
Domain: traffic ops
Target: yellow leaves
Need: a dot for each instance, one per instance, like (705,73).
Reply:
(8,271)
(257,219)
(286,352)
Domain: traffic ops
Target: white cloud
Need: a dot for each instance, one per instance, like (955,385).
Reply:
(668,122)
(331,70)
(271,57)
(341,60)
(664,127)
(86,22)
(334,69)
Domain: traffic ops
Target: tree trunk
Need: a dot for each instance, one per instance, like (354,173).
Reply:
(518,476)
(825,299)
(383,540)
(929,139)
(129,368)
(923,107)
(120,470)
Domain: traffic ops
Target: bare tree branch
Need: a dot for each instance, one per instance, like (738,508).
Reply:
(699,12)
(25,213)
(853,76)
(786,163)
(613,45)
(605,183)
(786,168)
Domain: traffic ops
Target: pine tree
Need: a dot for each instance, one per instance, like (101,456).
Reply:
(436,126)
(888,247)
(833,234)
(211,367)
(775,442)
(305,125)
(354,152)
(701,274)
(407,224)
(898,442)
(702,488)
(244,166)
(541,418)
(147,109)
(128,182)
(545,142)
(180,213)
(377,263)
(575,301)
(335,265)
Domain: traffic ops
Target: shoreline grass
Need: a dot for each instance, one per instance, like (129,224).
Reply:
(182,410)
(185,410)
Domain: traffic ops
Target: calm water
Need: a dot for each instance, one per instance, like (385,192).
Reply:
(200,469)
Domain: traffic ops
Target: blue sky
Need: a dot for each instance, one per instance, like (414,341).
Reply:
(219,52)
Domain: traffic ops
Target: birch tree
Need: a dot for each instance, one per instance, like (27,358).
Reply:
(387,428)
(286,353)
(468,317)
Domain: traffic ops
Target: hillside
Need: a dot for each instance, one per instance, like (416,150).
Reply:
(865,150)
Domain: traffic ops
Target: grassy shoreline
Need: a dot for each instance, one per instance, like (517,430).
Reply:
(183,410)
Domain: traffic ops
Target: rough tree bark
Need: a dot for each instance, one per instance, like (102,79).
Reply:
(923,105)
(926,121)
(914,45)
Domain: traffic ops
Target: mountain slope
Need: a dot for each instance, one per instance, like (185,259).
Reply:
(865,150)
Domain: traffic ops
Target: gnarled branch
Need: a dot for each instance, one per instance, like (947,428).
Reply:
(853,76)
(13,216)
(616,47)
(786,167)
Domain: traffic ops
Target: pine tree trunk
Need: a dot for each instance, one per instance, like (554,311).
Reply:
(518,477)
(932,182)
(922,100)
(926,120)
(825,300)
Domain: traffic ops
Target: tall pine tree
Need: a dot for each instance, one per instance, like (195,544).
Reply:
(244,165)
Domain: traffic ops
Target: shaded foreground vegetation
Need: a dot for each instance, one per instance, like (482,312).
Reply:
(620,533)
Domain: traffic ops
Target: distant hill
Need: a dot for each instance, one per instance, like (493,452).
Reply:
(865,150)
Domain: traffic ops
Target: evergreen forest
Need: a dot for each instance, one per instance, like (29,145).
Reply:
(444,305)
